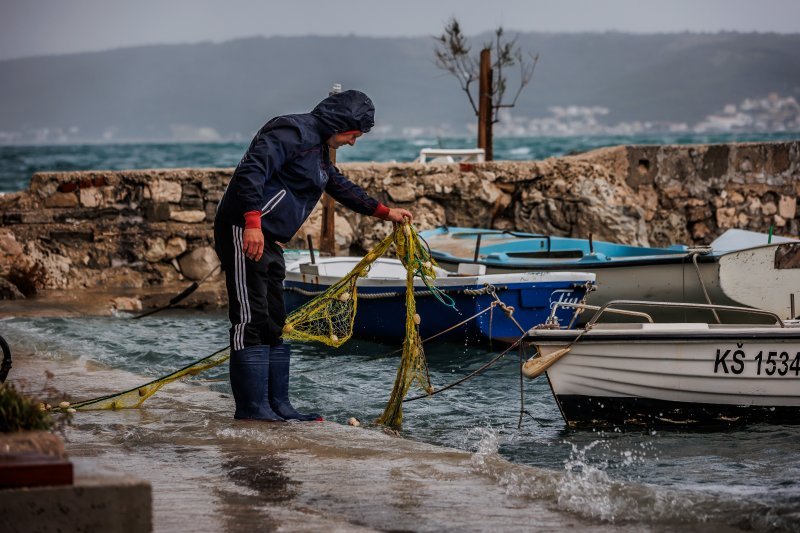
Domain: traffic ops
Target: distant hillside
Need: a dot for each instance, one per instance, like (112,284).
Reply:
(227,90)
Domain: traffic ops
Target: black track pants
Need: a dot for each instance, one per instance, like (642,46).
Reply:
(255,289)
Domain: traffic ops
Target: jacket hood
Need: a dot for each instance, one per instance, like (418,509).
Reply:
(345,111)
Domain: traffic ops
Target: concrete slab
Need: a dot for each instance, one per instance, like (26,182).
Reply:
(112,502)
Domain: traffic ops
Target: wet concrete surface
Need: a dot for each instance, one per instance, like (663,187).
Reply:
(211,473)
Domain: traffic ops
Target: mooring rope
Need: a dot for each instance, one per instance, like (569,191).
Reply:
(420,292)
(468,376)
(176,299)
(694,255)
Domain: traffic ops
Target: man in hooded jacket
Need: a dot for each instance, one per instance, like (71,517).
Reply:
(274,188)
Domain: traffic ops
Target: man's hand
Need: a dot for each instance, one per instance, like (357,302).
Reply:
(399,215)
(253,243)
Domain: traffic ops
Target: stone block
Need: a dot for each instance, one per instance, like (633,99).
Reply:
(191,197)
(163,191)
(769,208)
(675,169)
(715,161)
(743,220)
(155,250)
(779,158)
(750,158)
(787,207)
(43,185)
(174,247)
(642,165)
(156,212)
(188,217)
(61,199)
(198,263)
(91,197)
(736,198)
(726,217)
(696,214)
(402,193)
(753,205)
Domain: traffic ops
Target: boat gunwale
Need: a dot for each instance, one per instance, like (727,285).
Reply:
(672,259)
(550,337)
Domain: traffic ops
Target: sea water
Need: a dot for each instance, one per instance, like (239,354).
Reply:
(18,163)
(746,478)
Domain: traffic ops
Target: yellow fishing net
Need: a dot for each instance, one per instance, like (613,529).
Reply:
(413,365)
(328,318)
(133,398)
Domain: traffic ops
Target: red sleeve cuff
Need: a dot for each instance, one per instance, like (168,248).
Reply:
(381,211)
(252,220)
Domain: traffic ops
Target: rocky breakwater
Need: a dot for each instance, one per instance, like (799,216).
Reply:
(151,231)
(130,232)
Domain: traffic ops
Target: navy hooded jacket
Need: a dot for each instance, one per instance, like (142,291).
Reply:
(287,167)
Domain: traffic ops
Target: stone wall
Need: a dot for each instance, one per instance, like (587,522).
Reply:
(134,229)
(695,193)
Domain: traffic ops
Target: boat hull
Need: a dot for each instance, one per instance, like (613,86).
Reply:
(626,412)
(680,376)
(758,277)
(381,304)
(675,281)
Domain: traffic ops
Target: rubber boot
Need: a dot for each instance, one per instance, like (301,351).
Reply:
(279,386)
(249,371)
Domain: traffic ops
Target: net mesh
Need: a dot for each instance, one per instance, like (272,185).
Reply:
(135,397)
(328,318)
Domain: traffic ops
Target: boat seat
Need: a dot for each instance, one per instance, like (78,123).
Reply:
(676,326)
(544,254)
(665,326)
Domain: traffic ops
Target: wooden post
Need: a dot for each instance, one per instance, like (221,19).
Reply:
(327,238)
(485,104)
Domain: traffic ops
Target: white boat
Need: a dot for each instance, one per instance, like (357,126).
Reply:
(672,374)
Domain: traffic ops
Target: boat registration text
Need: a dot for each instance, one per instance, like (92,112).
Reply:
(767,363)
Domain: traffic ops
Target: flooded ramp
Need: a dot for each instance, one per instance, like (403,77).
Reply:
(211,473)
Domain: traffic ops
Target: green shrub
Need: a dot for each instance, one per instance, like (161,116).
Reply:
(20,413)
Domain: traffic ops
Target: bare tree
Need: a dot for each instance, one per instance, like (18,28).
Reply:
(452,53)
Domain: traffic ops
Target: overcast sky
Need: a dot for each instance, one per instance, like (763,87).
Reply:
(37,27)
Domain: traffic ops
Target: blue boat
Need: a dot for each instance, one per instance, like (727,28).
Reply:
(674,274)
(509,251)
(381,299)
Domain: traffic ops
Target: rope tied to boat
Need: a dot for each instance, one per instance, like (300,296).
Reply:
(417,293)
(507,309)
(693,254)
